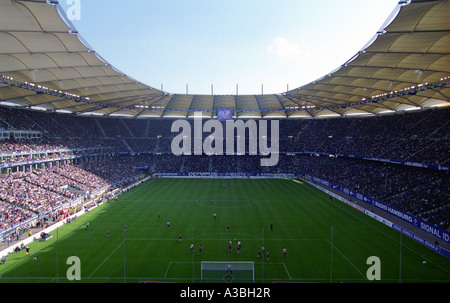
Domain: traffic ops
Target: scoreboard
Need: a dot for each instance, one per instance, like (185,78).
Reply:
(224,113)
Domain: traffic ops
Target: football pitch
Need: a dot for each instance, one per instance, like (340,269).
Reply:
(324,241)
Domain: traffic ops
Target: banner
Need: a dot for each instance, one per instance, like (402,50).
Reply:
(223,175)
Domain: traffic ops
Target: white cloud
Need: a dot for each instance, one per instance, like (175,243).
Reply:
(283,48)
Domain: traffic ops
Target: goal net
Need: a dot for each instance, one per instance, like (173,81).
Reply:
(227,272)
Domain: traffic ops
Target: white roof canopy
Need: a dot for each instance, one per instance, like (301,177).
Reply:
(406,66)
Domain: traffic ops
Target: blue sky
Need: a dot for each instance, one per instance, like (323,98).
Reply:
(258,45)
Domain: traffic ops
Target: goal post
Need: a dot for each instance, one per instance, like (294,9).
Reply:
(227,272)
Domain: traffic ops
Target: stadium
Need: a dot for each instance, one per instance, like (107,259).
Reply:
(104,179)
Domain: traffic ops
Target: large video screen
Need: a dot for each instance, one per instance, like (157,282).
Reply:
(224,113)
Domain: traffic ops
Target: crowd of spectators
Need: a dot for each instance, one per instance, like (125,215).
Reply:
(113,169)
(25,194)
(15,190)
(44,143)
(417,137)
(48,179)
(81,178)
(11,214)
(413,136)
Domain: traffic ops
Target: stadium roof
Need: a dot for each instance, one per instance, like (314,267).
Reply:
(45,63)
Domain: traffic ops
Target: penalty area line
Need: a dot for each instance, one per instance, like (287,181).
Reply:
(106,259)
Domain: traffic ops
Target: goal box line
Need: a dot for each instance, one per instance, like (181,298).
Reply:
(227,271)
(217,265)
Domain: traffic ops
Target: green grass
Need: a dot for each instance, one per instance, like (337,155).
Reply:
(303,219)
